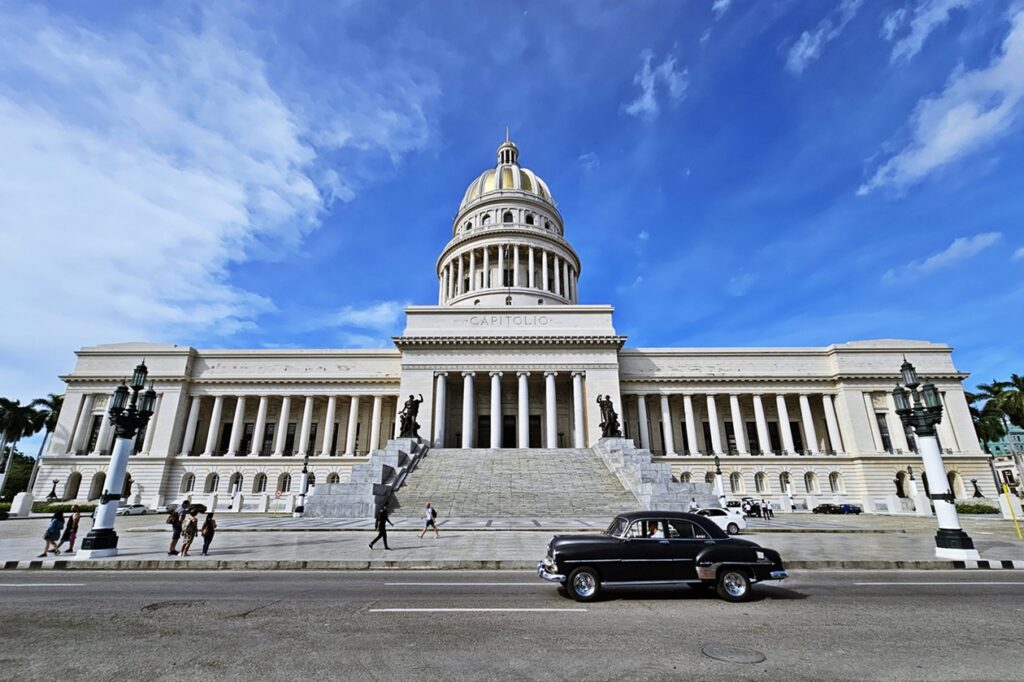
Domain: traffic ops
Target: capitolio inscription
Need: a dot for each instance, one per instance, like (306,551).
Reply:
(509,320)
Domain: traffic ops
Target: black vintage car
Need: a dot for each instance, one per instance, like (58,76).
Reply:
(659,548)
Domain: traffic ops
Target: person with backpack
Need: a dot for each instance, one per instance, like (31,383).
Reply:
(430,514)
(382,526)
(174,521)
(189,531)
(207,531)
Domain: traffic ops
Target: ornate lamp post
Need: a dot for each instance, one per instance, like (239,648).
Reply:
(913,483)
(128,416)
(303,487)
(923,415)
(718,482)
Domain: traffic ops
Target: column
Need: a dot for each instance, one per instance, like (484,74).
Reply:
(691,425)
(306,426)
(523,420)
(531,278)
(645,425)
(440,408)
(876,433)
(565,281)
(282,425)
(495,409)
(831,423)
(79,442)
(147,441)
(487,267)
(948,433)
(332,410)
(810,436)
(739,429)
(237,426)
(896,431)
(501,266)
(378,402)
(762,425)
(189,440)
(353,424)
(462,275)
(472,270)
(578,438)
(467,409)
(666,426)
(451,280)
(716,431)
(557,274)
(214,431)
(544,270)
(515,265)
(104,434)
(787,433)
(550,412)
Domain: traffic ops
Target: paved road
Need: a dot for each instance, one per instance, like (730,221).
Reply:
(501,625)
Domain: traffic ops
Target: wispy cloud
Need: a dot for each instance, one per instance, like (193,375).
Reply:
(383,317)
(589,161)
(649,79)
(809,45)
(974,108)
(1019,254)
(720,7)
(961,249)
(913,28)
(738,285)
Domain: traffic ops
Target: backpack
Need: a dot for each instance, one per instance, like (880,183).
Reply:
(433,513)
(170,519)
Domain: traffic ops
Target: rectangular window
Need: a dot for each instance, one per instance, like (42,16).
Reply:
(267,448)
(506,278)
(752,438)
(730,439)
(289,439)
(706,429)
(249,428)
(773,437)
(798,438)
(883,429)
(312,437)
(140,438)
(94,432)
(684,444)
(334,439)
(225,438)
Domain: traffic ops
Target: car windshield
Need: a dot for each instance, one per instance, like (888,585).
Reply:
(617,527)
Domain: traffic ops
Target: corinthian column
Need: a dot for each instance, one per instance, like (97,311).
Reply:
(495,409)
(523,420)
(467,409)
(645,428)
(550,412)
(440,409)
(237,426)
(214,431)
(577,410)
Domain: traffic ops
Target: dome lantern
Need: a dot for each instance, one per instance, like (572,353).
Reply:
(508,152)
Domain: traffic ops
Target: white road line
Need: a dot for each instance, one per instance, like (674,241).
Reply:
(475,610)
(450,584)
(42,584)
(962,582)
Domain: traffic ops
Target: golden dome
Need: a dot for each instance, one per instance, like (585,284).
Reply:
(507,176)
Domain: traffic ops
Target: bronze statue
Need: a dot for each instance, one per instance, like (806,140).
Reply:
(609,420)
(408,426)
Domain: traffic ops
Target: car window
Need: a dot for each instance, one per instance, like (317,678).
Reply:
(617,527)
(685,530)
(647,529)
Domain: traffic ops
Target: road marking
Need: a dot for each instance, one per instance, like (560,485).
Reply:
(42,584)
(962,582)
(474,610)
(450,584)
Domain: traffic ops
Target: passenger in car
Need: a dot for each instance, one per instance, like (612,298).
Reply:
(655,531)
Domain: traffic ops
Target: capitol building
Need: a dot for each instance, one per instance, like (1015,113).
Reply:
(507,360)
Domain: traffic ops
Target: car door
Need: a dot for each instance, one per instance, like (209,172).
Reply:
(686,541)
(646,558)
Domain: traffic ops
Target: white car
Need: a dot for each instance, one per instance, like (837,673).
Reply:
(730,520)
(131,510)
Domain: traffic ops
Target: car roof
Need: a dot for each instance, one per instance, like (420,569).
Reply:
(632,516)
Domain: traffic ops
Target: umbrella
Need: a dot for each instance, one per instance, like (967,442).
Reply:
(197,509)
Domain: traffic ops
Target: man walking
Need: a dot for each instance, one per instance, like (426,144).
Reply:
(382,526)
(174,521)
(768,512)
(430,515)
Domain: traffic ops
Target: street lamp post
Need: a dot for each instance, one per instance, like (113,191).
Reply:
(923,415)
(718,482)
(303,487)
(128,417)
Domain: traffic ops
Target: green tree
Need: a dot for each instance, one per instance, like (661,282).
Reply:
(1010,399)
(987,418)
(19,469)
(50,407)
(17,421)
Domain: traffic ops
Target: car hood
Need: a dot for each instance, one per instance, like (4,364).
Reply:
(578,539)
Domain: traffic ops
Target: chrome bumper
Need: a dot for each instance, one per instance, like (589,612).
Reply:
(778,575)
(543,572)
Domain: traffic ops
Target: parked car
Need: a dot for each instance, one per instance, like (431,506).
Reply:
(827,509)
(659,548)
(131,510)
(850,509)
(730,520)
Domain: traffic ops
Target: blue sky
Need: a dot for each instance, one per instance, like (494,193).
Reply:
(731,173)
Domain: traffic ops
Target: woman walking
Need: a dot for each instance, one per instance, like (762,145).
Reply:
(190,528)
(71,530)
(52,534)
(207,531)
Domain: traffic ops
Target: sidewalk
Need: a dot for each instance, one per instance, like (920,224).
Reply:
(280,543)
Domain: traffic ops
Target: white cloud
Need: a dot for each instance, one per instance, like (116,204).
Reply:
(1019,254)
(739,285)
(720,7)
(140,166)
(915,29)
(705,37)
(383,317)
(961,249)
(643,235)
(589,161)
(809,45)
(646,106)
(973,108)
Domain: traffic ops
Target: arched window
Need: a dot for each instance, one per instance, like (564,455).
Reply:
(126,489)
(486,219)
(469,226)
(529,219)
(188,483)
(784,482)
(235,483)
(810,482)
(507,217)
(96,487)
(684,477)
(311,479)
(760,482)
(259,483)
(284,483)
(212,483)
(547,225)
(709,477)
(956,484)
(735,482)
(72,486)
(835,482)
(333,478)
(901,484)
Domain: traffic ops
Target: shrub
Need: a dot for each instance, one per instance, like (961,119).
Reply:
(47,508)
(5,506)
(975,508)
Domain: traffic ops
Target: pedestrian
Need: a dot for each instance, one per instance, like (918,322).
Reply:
(71,529)
(430,514)
(174,521)
(382,526)
(52,534)
(769,512)
(693,505)
(207,531)
(189,530)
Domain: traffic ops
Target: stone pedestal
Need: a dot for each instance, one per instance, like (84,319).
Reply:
(372,483)
(922,505)
(650,482)
(22,504)
(785,504)
(894,503)
(1007,504)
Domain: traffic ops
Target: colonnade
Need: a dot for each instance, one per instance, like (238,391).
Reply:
(469,413)
(86,424)
(499,266)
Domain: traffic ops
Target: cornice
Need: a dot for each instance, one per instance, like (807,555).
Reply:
(403,342)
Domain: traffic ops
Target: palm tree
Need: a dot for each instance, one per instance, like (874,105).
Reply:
(988,418)
(1011,399)
(16,422)
(50,407)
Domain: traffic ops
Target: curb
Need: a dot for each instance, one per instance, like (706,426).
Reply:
(531,529)
(446,565)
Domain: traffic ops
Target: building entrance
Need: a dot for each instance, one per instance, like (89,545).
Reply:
(508,430)
(535,441)
(483,431)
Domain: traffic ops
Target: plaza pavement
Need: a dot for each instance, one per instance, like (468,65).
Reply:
(267,542)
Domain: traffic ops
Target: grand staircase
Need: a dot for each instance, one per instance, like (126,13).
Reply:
(513,483)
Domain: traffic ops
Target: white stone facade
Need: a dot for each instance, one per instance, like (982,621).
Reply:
(509,358)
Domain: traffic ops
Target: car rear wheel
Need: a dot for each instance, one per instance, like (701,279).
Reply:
(732,529)
(584,584)
(733,585)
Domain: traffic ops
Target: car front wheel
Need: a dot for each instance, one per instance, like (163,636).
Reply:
(584,584)
(733,585)
(732,529)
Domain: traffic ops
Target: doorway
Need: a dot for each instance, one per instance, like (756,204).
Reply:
(535,440)
(483,431)
(508,431)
